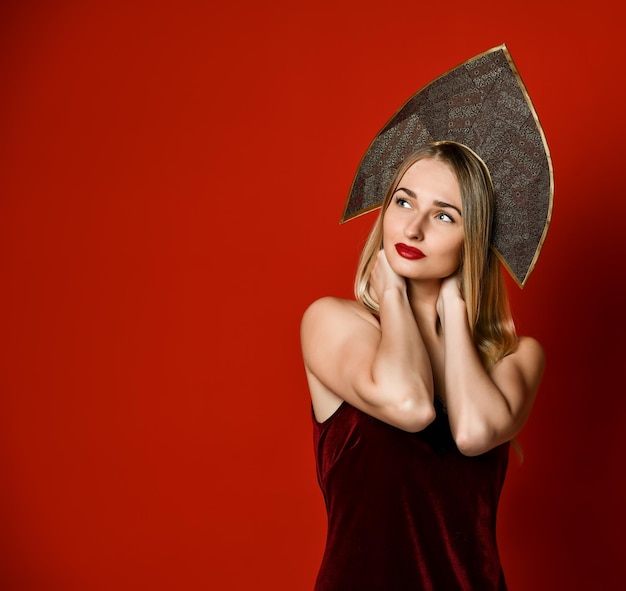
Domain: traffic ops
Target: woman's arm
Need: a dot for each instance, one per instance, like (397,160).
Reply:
(484,408)
(382,369)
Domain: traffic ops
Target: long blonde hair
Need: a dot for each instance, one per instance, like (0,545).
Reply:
(482,284)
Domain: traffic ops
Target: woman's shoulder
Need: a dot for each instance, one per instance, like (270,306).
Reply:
(333,309)
(528,360)
(529,346)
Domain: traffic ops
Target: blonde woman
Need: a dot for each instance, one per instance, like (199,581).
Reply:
(417,386)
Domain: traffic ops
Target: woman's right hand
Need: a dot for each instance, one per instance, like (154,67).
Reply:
(384,277)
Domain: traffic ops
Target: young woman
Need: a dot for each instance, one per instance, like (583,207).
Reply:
(417,387)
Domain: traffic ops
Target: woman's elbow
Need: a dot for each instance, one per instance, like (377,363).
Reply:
(414,416)
(476,441)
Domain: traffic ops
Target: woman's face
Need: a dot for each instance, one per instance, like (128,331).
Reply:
(423,226)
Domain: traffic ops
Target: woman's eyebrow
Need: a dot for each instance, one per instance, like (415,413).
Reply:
(407,191)
(443,204)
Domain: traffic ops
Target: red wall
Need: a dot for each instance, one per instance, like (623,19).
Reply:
(172,177)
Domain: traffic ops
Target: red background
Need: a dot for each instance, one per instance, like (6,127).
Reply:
(172,176)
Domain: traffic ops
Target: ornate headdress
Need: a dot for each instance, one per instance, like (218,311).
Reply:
(484,105)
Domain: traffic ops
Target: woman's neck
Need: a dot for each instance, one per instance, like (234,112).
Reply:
(423,299)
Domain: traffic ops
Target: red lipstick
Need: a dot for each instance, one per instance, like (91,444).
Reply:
(409,252)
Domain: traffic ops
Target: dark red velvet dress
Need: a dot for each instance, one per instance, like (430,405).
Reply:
(406,511)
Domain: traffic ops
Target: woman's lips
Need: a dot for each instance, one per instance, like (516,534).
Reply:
(409,252)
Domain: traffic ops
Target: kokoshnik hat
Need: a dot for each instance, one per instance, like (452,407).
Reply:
(484,105)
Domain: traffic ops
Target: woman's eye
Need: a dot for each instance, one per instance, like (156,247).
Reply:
(402,202)
(444,217)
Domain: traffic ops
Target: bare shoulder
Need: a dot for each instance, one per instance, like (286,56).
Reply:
(334,331)
(530,351)
(338,337)
(527,362)
(337,312)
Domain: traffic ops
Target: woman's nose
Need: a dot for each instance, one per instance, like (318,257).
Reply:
(414,228)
